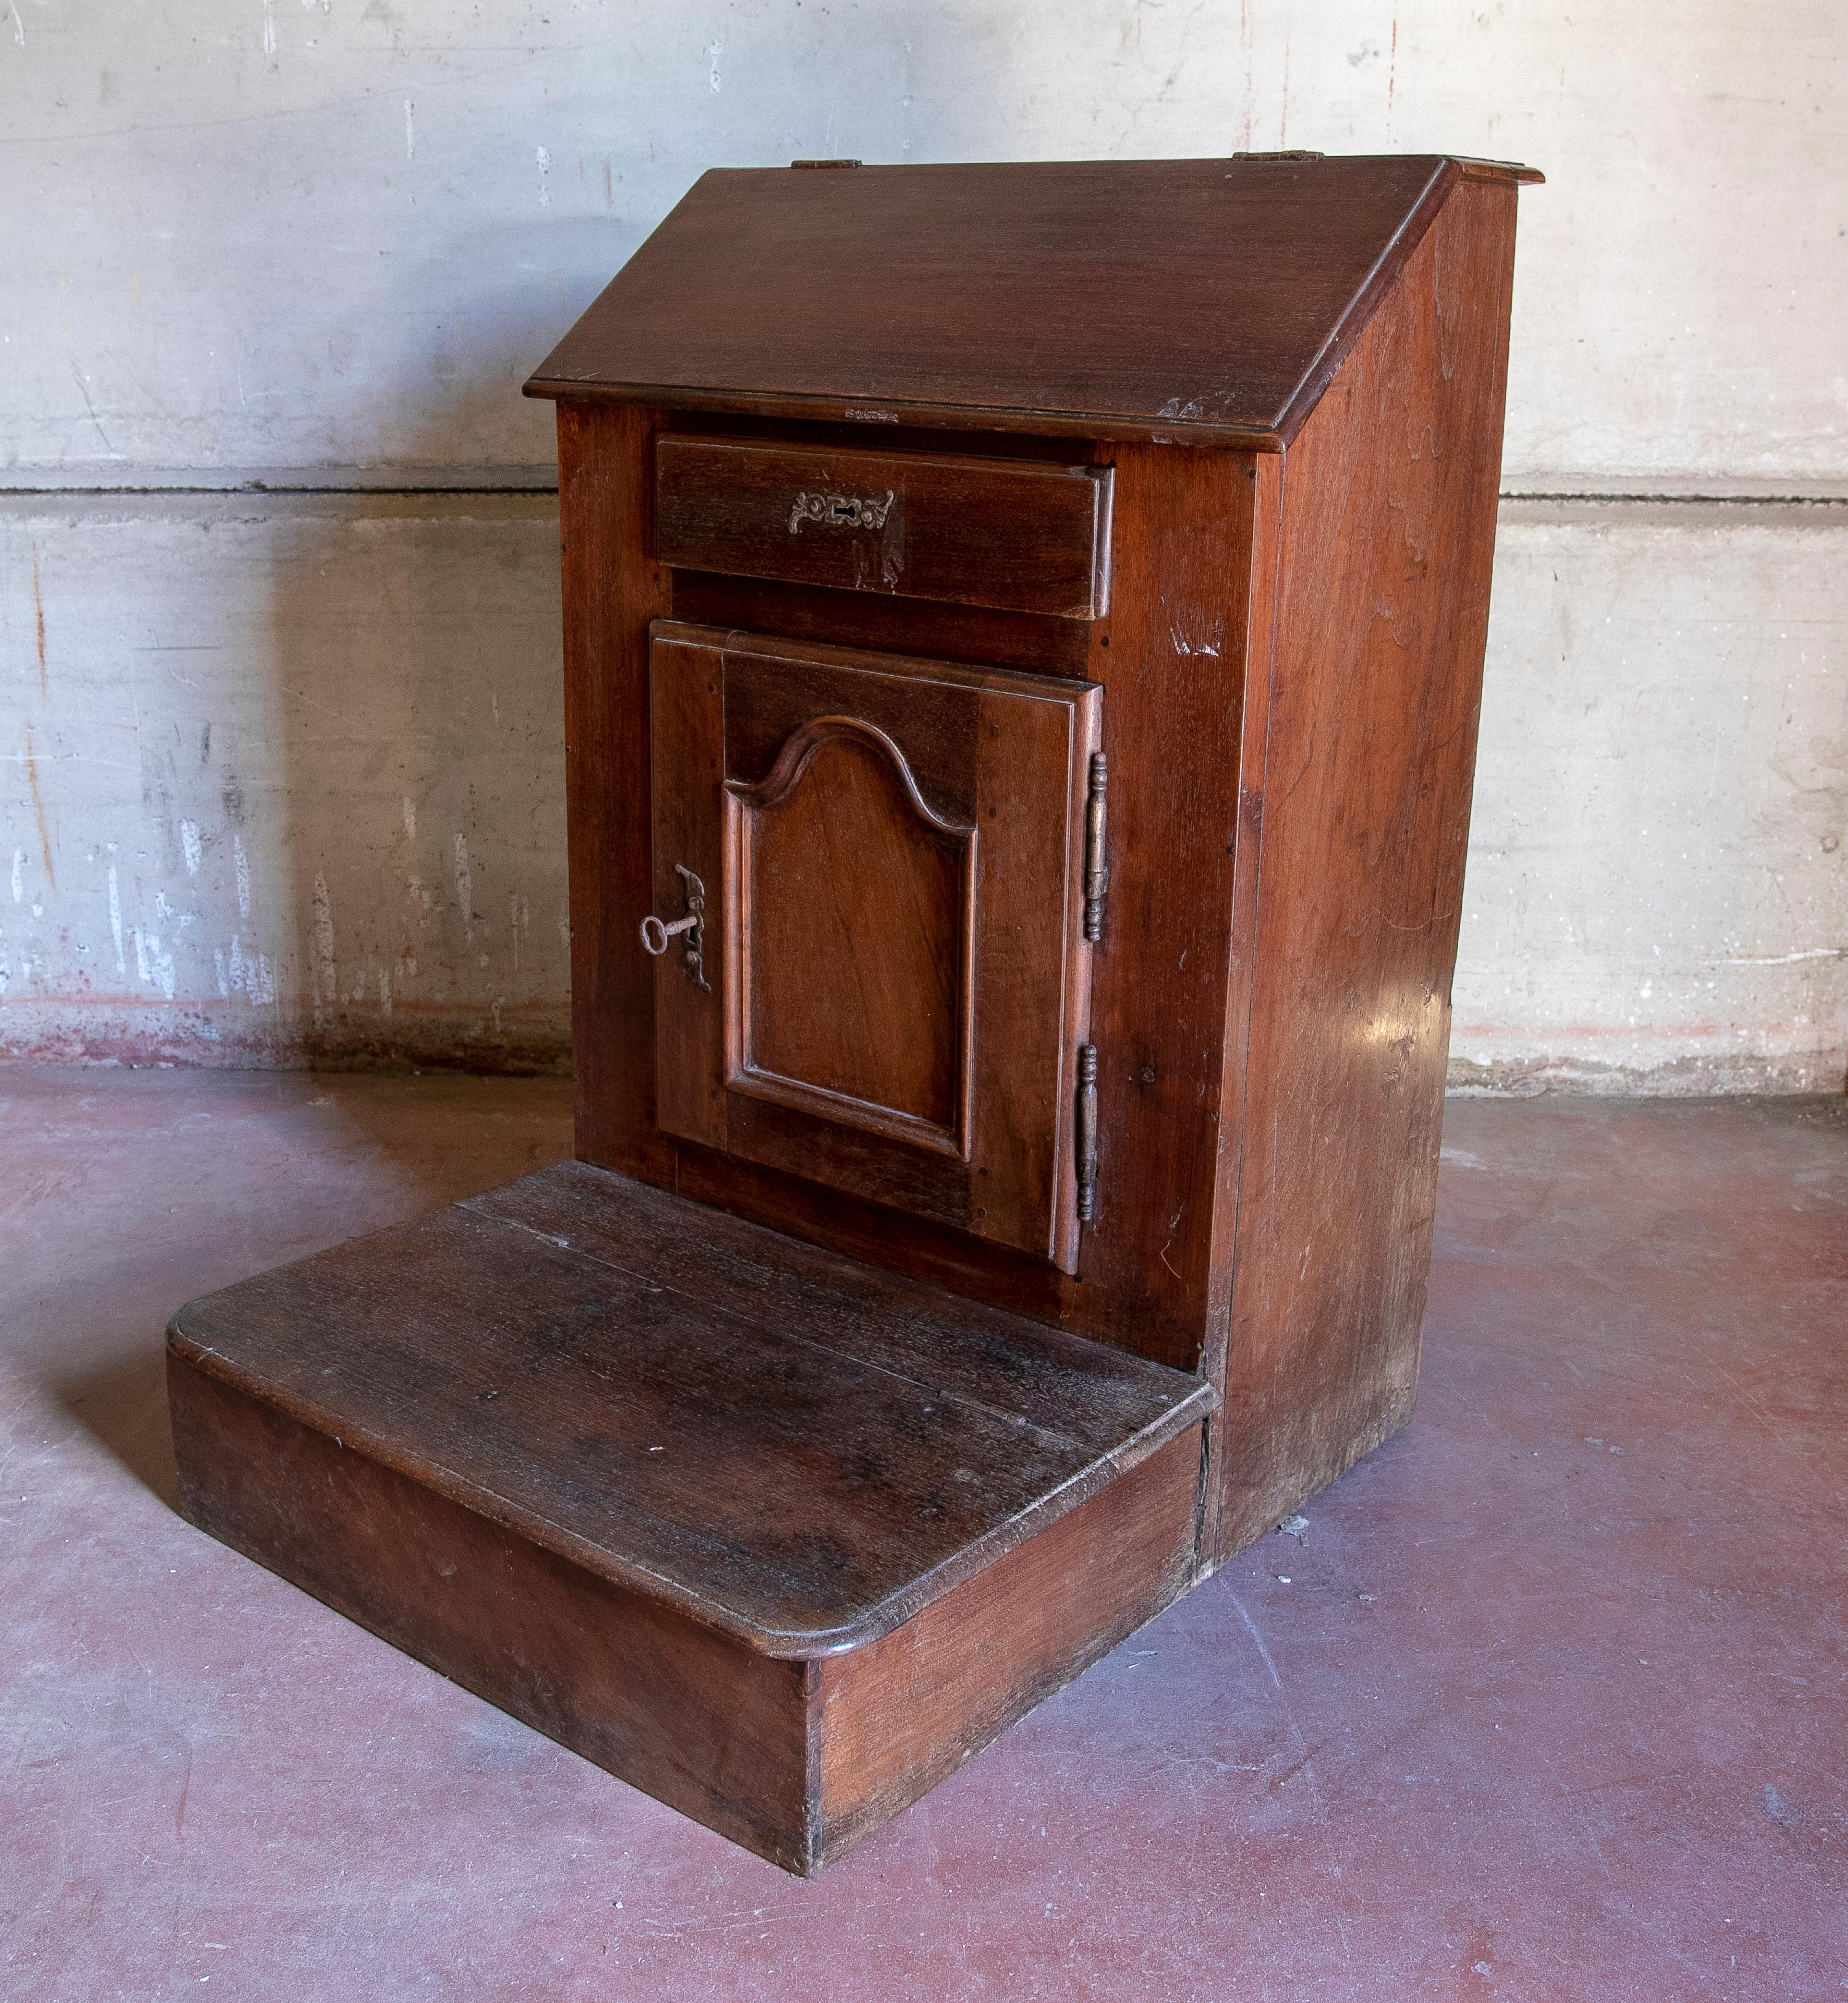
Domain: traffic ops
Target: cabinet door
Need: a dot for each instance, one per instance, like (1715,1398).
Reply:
(888,983)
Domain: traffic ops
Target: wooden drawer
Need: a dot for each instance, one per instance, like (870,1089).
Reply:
(1021,535)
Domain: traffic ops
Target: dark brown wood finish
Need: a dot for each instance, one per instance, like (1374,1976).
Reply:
(794,1758)
(1208,300)
(978,636)
(781,1523)
(1385,544)
(896,981)
(761,1435)
(1048,450)
(1016,533)
(899,1716)
(838,1007)
(1503,173)
(655,1480)
(613,588)
(1172,664)
(684,1711)
(1087,1391)
(1158,1260)
(1170,658)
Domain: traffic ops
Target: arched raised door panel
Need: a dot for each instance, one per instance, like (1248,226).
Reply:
(889,985)
(849,950)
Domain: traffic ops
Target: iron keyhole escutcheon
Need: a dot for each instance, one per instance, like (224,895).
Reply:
(691,928)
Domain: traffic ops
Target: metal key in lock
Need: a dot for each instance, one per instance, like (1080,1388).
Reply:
(655,934)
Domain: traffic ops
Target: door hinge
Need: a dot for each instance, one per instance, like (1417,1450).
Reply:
(1097,860)
(1087,1137)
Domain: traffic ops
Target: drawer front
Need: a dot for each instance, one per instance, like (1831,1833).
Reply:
(1016,534)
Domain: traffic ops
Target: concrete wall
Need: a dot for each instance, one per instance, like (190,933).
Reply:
(279,772)
(291,781)
(1656,898)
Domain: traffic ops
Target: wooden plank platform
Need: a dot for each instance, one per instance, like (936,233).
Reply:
(775,1536)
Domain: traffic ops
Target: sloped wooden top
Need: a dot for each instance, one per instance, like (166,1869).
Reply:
(794,1448)
(1211,300)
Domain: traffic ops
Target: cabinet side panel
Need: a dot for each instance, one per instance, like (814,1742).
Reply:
(611,590)
(1382,599)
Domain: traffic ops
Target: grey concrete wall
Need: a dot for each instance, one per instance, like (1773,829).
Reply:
(290,782)
(1656,898)
(279,772)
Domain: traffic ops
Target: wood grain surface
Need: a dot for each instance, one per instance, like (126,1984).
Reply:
(898,1715)
(1169,656)
(861,1008)
(1015,533)
(898,977)
(796,1759)
(1210,300)
(644,1389)
(612,589)
(1386,539)
(780,1523)
(681,1710)
(977,635)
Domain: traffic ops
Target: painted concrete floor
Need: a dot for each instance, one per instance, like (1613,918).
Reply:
(1549,1703)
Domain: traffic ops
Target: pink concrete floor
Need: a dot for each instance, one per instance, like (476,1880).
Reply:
(1549,1703)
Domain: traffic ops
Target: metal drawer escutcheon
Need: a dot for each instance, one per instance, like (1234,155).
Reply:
(839,511)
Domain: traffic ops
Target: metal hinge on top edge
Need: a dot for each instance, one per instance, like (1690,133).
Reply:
(1087,1132)
(1097,858)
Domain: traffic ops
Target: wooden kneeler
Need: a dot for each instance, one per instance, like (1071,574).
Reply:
(1024,628)
(775,1535)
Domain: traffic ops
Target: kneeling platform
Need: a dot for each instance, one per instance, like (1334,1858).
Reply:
(778,1537)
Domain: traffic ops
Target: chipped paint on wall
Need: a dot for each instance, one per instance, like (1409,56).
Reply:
(348,276)
(1658,891)
(282,777)
(234,868)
